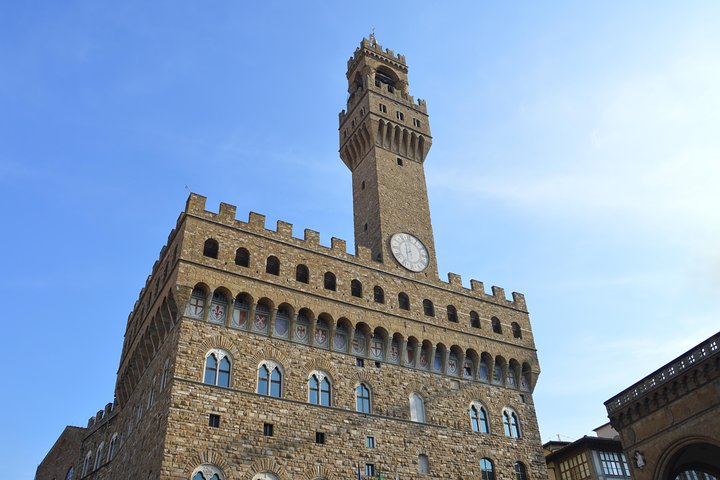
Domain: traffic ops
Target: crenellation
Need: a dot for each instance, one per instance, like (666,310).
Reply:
(256,221)
(312,237)
(362,253)
(499,293)
(455,280)
(519,301)
(338,245)
(195,204)
(284,229)
(477,286)
(227,213)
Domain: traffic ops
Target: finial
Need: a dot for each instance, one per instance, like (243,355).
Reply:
(372,37)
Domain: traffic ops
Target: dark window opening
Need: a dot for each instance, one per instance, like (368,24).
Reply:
(378,295)
(370,469)
(517,333)
(273,265)
(302,274)
(320,437)
(365,227)
(383,108)
(474,320)
(362,185)
(403,301)
(400,115)
(268,429)
(399,161)
(242,257)
(370,442)
(356,288)
(377,364)
(211,247)
(452,313)
(214,420)
(329,281)
(428,308)
(496,326)
(360,362)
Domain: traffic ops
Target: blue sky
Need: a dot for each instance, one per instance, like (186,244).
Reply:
(575,159)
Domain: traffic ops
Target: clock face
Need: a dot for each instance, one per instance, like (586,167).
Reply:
(409,251)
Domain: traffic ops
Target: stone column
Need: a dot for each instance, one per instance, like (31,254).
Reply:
(271,322)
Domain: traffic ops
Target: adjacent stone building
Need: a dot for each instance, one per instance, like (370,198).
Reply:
(254,354)
(669,422)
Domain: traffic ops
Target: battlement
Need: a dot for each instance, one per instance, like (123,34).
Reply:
(396,94)
(283,232)
(101,416)
(373,48)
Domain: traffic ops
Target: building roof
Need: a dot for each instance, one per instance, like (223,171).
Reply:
(581,444)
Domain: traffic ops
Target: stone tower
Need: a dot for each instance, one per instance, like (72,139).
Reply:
(384,139)
(254,354)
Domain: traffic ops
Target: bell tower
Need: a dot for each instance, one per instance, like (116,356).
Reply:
(384,139)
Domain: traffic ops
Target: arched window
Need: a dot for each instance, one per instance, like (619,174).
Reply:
(319,389)
(520,471)
(86,464)
(242,257)
(486,469)
(511,424)
(70,473)
(511,376)
(113,447)
(423,464)
(403,301)
(378,295)
(207,472)
(265,476)
(217,369)
(356,288)
(496,326)
(211,247)
(269,380)
(329,281)
(483,373)
(479,419)
(272,265)
(417,408)
(428,308)
(99,456)
(517,333)
(452,314)
(474,320)
(362,398)
(302,274)
(196,304)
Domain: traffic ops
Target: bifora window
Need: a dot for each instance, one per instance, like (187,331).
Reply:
(362,398)
(510,424)
(207,472)
(520,471)
(575,468)
(269,380)
(319,390)
(479,419)
(217,369)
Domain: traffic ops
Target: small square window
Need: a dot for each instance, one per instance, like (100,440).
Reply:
(400,115)
(214,420)
(417,122)
(377,364)
(370,442)
(522,398)
(320,437)
(362,111)
(353,123)
(370,469)
(268,429)
(360,362)
(383,108)
(399,161)
(365,227)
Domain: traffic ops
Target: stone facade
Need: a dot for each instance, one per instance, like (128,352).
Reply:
(263,297)
(60,460)
(669,422)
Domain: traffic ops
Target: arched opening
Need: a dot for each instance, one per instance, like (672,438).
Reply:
(272,265)
(241,310)
(428,308)
(329,281)
(417,408)
(452,314)
(697,461)
(496,326)
(242,257)
(474,320)
(403,301)
(517,333)
(211,247)
(378,295)
(385,76)
(356,288)
(302,274)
